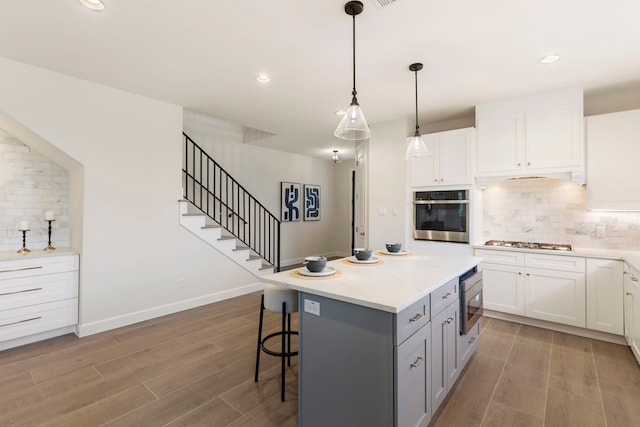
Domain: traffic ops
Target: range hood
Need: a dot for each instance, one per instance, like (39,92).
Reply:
(577,177)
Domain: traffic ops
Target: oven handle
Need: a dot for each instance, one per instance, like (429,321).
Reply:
(439,202)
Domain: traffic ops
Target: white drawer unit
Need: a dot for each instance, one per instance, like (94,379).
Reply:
(38,297)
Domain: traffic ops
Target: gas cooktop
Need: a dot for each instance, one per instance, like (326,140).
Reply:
(529,245)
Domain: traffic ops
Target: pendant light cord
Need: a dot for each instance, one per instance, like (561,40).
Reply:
(417,125)
(354,100)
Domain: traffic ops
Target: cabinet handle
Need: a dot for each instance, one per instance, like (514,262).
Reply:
(20,321)
(449,320)
(519,273)
(628,293)
(634,279)
(528,163)
(528,274)
(435,180)
(518,164)
(415,318)
(446,296)
(20,269)
(441,179)
(418,362)
(19,292)
(472,340)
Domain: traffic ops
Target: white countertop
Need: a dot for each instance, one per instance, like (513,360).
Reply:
(631,257)
(14,255)
(389,285)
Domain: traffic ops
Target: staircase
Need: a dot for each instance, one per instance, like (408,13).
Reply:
(221,212)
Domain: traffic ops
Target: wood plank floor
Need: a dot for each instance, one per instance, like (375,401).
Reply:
(195,368)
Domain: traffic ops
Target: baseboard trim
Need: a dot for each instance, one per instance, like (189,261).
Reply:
(573,330)
(86,329)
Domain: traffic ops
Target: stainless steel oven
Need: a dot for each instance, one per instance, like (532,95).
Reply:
(470,299)
(441,215)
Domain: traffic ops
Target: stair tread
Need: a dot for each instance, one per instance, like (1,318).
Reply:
(252,257)
(226,238)
(210,226)
(241,248)
(192,214)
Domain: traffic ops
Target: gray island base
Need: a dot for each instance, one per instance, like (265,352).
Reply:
(379,344)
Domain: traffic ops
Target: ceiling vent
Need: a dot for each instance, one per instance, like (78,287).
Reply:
(382,3)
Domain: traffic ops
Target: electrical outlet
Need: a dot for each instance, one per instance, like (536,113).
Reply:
(312,307)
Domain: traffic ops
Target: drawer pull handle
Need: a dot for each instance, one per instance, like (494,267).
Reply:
(446,296)
(449,320)
(20,269)
(20,321)
(418,362)
(629,293)
(472,340)
(415,318)
(20,292)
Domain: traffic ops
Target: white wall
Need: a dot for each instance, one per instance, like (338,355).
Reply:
(387,184)
(123,155)
(260,170)
(31,185)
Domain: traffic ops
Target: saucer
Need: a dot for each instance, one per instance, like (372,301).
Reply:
(328,271)
(371,260)
(399,253)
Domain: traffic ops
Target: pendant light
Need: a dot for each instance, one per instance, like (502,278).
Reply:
(353,125)
(417,147)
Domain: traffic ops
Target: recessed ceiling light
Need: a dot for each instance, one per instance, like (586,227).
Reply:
(263,78)
(550,59)
(93,4)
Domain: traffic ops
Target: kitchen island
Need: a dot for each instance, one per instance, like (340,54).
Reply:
(379,343)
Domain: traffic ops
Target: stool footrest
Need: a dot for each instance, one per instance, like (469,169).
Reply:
(277,353)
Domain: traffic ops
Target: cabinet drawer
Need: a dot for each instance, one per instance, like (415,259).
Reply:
(501,257)
(411,319)
(467,344)
(443,296)
(27,267)
(34,319)
(38,289)
(556,262)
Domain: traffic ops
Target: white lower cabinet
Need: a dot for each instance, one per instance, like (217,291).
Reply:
(38,297)
(632,309)
(605,304)
(555,296)
(503,288)
(445,329)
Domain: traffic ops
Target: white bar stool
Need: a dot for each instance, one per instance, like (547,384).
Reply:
(278,299)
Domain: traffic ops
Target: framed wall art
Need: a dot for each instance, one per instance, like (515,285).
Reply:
(290,202)
(311,202)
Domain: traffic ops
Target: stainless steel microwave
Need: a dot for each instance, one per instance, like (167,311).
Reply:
(441,215)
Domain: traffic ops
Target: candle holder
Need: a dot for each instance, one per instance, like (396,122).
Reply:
(24,249)
(49,248)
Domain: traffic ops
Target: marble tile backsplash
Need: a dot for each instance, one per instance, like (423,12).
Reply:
(554,211)
(30,185)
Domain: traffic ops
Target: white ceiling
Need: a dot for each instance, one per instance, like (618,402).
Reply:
(205,54)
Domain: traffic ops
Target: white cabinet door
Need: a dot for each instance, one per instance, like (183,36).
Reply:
(553,138)
(450,160)
(414,379)
(424,171)
(605,296)
(555,296)
(503,288)
(455,156)
(612,160)
(500,143)
(628,304)
(635,338)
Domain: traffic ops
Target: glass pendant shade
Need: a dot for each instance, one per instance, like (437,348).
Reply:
(417,147)
(353,125)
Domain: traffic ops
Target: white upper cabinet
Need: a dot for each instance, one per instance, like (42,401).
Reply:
(613,149)
(536,134)
(450,160)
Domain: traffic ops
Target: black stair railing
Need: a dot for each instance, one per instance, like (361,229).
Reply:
(217,194)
